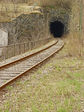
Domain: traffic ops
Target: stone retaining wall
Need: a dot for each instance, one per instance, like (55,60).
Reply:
(29,25)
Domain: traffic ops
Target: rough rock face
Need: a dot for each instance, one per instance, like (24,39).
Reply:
(24,24)
(34,26)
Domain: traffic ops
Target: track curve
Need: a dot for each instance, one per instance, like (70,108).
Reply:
(10,72)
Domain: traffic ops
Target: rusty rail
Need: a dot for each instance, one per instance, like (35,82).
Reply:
(11,72)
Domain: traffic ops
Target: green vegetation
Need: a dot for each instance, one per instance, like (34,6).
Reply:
(58,86)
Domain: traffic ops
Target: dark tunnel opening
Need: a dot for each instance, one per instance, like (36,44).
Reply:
(57,29)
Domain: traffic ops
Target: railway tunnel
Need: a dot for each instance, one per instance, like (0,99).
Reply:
(58,22)
(57,28)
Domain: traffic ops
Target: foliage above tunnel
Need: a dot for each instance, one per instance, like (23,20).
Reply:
(56,2)
(66,4)
(61,3)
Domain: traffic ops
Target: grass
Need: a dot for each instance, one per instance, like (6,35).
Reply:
(58,86)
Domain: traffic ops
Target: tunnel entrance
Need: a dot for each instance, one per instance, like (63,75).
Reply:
(57,29)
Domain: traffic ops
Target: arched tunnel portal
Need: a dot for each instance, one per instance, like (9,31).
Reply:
(59,24)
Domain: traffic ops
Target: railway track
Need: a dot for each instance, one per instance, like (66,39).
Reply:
(10,72)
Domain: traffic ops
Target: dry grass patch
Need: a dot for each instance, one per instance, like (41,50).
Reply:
(55,87)
(9,11)
(73,44)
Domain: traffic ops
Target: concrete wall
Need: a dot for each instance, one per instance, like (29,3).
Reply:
(3,40)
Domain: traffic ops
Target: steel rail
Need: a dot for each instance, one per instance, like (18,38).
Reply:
(23,58)
(26,65)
